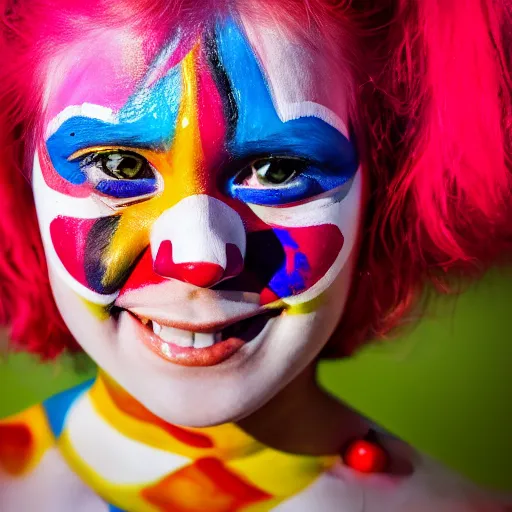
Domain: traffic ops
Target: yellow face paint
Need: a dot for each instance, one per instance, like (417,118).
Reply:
(181,170)
(303,308)
(98,310)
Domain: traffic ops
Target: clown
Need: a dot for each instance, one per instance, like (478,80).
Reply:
(201,193)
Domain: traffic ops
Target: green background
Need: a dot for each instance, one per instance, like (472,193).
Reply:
(445,386)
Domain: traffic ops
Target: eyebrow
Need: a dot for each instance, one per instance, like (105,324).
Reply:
(309,138)
(316,132)
(147,120)
(78,133)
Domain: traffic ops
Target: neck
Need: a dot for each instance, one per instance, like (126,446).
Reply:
(301,419)
(111,440)
(305,419)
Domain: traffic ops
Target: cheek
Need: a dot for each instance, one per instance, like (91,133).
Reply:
(77,232)
(280,261)
(295,253)
(82,247)
(288,261)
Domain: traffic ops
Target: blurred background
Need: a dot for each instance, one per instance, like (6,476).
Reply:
(444,386)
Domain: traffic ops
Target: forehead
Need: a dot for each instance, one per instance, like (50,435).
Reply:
(107,68)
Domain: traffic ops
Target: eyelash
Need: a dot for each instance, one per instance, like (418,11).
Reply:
(306,180)
(103,171)
(259,172)
(271,181)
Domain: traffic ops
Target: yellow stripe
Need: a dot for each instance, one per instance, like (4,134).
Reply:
(306,307)
(100,311)
(281,474)
(180,169)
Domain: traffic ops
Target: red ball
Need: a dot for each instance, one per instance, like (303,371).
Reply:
(366,457)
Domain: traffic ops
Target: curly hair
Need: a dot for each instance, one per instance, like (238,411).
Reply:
(431,113)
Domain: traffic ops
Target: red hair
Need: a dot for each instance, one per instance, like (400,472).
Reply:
(431,114)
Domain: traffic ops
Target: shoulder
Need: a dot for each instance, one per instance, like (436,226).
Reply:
(430,487)
(26,437)
(33,474)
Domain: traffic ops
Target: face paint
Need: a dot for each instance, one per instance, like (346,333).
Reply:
(212,191)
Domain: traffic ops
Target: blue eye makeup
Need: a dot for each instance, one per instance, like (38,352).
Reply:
(278,181)
(313,155)
(148,120)
(289,160)
(119,174)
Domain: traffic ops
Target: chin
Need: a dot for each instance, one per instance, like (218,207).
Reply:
(219,406)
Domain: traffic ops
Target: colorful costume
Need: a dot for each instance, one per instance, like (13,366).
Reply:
(220,468)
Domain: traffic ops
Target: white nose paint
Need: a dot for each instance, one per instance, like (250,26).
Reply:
(199,227)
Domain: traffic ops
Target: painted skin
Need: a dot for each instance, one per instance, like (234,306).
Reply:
(201,195)
(148,465)
(211,183)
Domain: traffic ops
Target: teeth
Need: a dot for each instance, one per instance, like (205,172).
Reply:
(186,338)
(203,340)
(175,336)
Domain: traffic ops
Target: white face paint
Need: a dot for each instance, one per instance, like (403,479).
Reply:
(200,222)
(301,82)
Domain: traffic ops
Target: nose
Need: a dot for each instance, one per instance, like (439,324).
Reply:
(200,241)
(200,273)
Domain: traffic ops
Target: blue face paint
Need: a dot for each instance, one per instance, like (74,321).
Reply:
(58,406)
(288,282)
(124,189)
(148,120)
(260,132)
(309,182)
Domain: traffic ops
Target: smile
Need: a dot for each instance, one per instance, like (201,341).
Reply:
(207,345)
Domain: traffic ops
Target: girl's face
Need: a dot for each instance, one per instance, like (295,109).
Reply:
(199,200)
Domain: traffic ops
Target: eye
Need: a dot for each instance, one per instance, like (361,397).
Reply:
(121,165)
(279,181)
(120,174)
(270,172)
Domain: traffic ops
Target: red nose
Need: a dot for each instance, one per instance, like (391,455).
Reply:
(202,274)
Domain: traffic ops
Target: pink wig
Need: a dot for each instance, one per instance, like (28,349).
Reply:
(431,112)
